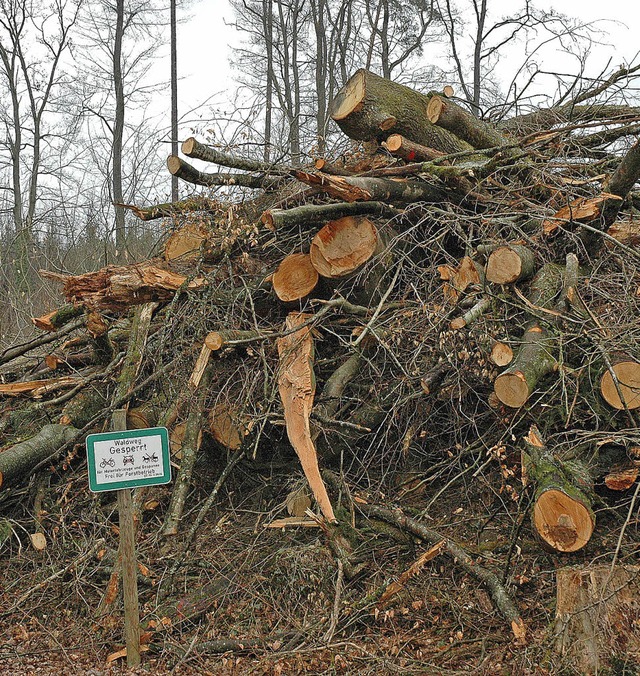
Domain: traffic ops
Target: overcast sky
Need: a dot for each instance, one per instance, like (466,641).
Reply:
(203,57)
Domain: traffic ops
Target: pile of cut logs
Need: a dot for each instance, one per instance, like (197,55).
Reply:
(499,261)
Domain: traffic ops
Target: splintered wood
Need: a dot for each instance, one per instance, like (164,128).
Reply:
(296,384)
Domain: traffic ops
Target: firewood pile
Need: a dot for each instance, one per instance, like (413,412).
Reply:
(451,298)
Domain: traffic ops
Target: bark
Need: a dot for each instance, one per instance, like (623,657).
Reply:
(463,124)
(562,512)
(187,172)
(200,151)
(368,107)
(189,449)
(621,182)
(312,214)
(171,209)
(295,278)
(14,352)
(536,356)
(398,145)
(18,461)
(353,189)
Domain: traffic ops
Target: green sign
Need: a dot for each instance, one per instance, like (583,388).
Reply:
(128,459)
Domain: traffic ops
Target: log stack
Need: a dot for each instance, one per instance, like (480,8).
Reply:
(345,255)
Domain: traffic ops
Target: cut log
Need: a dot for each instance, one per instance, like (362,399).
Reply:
(188,173)
(511,263)
(463,124)
(172,209)
(329,168)
(227,426)
(355,188)
(185,244)
(621,479)
(117,288)
(369,106)
(296,384)
(596,611)
(343,246)
(16,462)
(562,513)
(501,354)
(295,278)
(200,151)
(534,360)
(625,393)
(216,340)
(312,214)
(402,147)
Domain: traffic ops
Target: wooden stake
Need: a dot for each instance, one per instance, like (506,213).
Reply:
(128,553)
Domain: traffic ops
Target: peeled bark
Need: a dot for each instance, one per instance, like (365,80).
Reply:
(596,610)
(295,278)
(296,384)
(369,106)
(117,288)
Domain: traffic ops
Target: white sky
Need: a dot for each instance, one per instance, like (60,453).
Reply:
(203,47)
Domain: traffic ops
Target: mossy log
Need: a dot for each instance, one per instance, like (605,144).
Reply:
(562,513)
(369,107)
(16,462)
(56,319)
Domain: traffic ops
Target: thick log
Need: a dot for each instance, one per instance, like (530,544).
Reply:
(295,278)
(356,188)
(501,354)
(17,462)
(594,612)
(188,173)
(117,288)
(562,512)
(312,214)
(186,243)
(621,182)
(510,263)
(410,151)
(369,106)
(296,384)
(343,246)
(463,124)
(621,389)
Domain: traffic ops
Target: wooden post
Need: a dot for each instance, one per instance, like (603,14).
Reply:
(128,554)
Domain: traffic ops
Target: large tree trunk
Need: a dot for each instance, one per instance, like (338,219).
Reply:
(369,107)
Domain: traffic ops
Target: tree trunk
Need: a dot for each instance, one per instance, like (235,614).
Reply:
(511,263)
(625,393)
(368,107)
